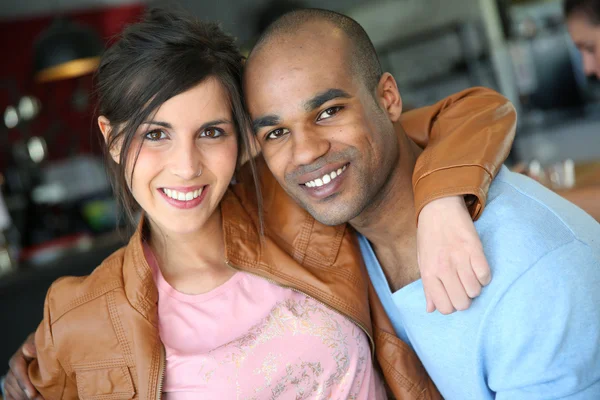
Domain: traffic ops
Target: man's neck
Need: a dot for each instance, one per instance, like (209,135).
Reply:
(389,221)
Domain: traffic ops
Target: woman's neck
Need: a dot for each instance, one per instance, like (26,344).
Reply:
(193,262)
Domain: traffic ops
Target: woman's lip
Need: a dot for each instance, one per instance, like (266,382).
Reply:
(182,204)
(183,189)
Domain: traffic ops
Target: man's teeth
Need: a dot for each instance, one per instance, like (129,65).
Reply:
(174,194)
(325,179)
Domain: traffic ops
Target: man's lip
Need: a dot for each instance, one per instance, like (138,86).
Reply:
(327,169)
(328,189)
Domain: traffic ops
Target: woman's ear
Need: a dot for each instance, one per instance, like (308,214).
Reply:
(105,128)
(389,96)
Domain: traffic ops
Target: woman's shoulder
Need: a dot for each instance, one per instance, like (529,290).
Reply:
(71,292)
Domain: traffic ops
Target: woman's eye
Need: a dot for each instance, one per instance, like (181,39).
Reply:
(211,133)
(155,135)
(277,133)
(330,112)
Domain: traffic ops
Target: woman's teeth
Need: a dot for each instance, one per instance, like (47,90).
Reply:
(325,179)
(174,194)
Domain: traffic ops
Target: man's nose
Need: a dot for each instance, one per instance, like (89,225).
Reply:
(308,146)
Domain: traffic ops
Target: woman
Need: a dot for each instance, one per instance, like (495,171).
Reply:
(199,304)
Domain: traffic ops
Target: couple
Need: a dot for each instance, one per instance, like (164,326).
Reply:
(234,291)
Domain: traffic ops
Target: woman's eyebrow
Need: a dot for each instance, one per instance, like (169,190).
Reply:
(221,121)
(159,123)
(205,125)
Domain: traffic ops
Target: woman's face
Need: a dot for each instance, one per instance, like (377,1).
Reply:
(586,36)
(187,159)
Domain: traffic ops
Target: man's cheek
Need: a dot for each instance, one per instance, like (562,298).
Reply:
(278,169)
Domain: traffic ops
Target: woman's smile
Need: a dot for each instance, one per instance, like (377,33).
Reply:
(184,197)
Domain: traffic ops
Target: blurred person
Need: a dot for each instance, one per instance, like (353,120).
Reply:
(533,333)
(583,23)
(199,303)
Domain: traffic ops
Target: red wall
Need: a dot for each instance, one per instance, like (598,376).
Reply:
(75,131)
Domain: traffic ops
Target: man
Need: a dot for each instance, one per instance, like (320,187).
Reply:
(327,120)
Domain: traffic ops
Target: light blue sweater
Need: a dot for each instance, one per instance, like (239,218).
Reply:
(534,333)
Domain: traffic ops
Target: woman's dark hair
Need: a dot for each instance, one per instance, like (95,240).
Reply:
(165,54)
(590,8)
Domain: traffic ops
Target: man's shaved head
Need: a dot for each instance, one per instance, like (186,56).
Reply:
(324,113)
(361,56)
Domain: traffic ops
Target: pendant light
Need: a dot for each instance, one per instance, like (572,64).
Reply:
(66,50)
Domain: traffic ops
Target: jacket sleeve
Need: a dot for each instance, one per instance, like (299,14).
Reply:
(466,137)
(45,371)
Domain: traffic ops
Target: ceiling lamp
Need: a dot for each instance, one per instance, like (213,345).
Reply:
(66,50)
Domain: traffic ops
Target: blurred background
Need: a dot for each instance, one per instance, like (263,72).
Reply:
(57,213)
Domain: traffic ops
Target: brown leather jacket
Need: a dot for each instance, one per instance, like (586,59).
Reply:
(99,338)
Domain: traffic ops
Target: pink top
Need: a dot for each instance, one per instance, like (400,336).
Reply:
(251,339)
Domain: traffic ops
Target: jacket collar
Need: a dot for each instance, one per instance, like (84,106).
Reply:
(138,281)
(295,251)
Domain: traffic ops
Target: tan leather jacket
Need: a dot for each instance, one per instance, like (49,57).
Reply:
(99,338)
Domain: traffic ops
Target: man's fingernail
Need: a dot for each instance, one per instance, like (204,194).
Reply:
(29,394)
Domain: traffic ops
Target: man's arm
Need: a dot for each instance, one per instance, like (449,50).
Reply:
(466,137)
(542,340)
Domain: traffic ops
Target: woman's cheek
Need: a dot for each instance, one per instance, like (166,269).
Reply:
(147,165)
(226,159)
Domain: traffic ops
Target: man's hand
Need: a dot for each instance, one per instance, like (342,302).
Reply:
(17,385)
(451,260)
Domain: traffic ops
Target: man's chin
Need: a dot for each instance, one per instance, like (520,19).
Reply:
(333,210)
(331,216)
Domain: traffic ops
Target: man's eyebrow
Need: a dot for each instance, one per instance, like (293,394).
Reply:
(324,97)
(264,121)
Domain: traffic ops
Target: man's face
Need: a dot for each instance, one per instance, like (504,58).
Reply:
(323,134)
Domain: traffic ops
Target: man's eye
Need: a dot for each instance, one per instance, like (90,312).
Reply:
(277,133)
(330,112)
(211,133)
(155,135)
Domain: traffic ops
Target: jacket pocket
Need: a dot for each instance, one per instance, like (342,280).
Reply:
(105,383)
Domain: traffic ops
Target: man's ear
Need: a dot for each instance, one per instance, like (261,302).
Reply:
(105,128)
(389,96)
